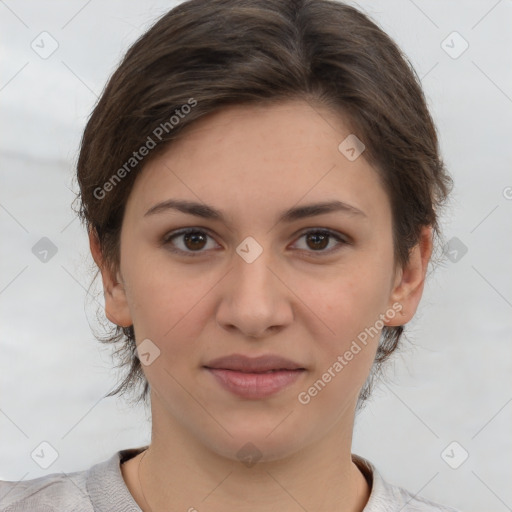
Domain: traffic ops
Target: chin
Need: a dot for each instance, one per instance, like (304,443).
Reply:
(252,443)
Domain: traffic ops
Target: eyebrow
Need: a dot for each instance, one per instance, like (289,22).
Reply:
(209,212)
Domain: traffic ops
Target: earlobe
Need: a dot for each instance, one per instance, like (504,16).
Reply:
(116,304)
(410,281)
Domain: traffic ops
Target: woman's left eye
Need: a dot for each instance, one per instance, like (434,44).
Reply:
(194,240)
(319,239)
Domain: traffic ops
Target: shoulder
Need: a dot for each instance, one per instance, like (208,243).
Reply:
(385,497)
(101,487)
(57,491)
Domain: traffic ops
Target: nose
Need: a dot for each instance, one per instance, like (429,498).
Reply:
(255,299)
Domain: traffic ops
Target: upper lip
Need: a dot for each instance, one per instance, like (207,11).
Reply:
(239,362)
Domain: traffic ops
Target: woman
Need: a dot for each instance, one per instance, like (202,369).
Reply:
(261,182)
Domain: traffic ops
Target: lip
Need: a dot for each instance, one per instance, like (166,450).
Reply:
(260,364)
(254,378)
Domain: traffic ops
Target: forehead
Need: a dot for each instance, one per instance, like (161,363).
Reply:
(257,160)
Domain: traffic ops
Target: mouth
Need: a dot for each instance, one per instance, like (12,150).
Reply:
(261,364)
(254,378)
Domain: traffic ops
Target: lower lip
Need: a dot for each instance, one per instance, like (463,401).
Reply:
(255,385)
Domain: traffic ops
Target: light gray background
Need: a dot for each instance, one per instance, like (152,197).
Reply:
(451,382)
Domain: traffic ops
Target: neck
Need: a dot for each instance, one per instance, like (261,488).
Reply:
(178,469)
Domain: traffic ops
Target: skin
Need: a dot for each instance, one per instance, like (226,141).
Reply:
(304,304)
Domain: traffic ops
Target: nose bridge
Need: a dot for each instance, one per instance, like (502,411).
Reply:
(254,299)
(253,281)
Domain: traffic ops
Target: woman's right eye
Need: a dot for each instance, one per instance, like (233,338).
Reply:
(190,241)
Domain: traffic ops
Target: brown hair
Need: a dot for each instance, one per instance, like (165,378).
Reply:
(206,54)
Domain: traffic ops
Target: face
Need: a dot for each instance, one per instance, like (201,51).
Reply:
(259,274)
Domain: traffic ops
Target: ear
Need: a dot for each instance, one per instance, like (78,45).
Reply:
(116,304)
(410,280)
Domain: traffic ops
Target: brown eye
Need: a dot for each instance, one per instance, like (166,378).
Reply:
(189,242)
(317,240)
(194,240)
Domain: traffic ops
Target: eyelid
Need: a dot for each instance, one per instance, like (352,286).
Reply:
(183,231)
(335,234)
(341,238)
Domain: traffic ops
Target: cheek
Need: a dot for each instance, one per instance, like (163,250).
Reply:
(166,305)
(349,302)
(350,305)
(170,311)
(164,298)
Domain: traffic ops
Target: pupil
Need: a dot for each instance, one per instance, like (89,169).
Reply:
(192,239)
(322,238)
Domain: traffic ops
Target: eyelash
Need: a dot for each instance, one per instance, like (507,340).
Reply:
(175,234)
